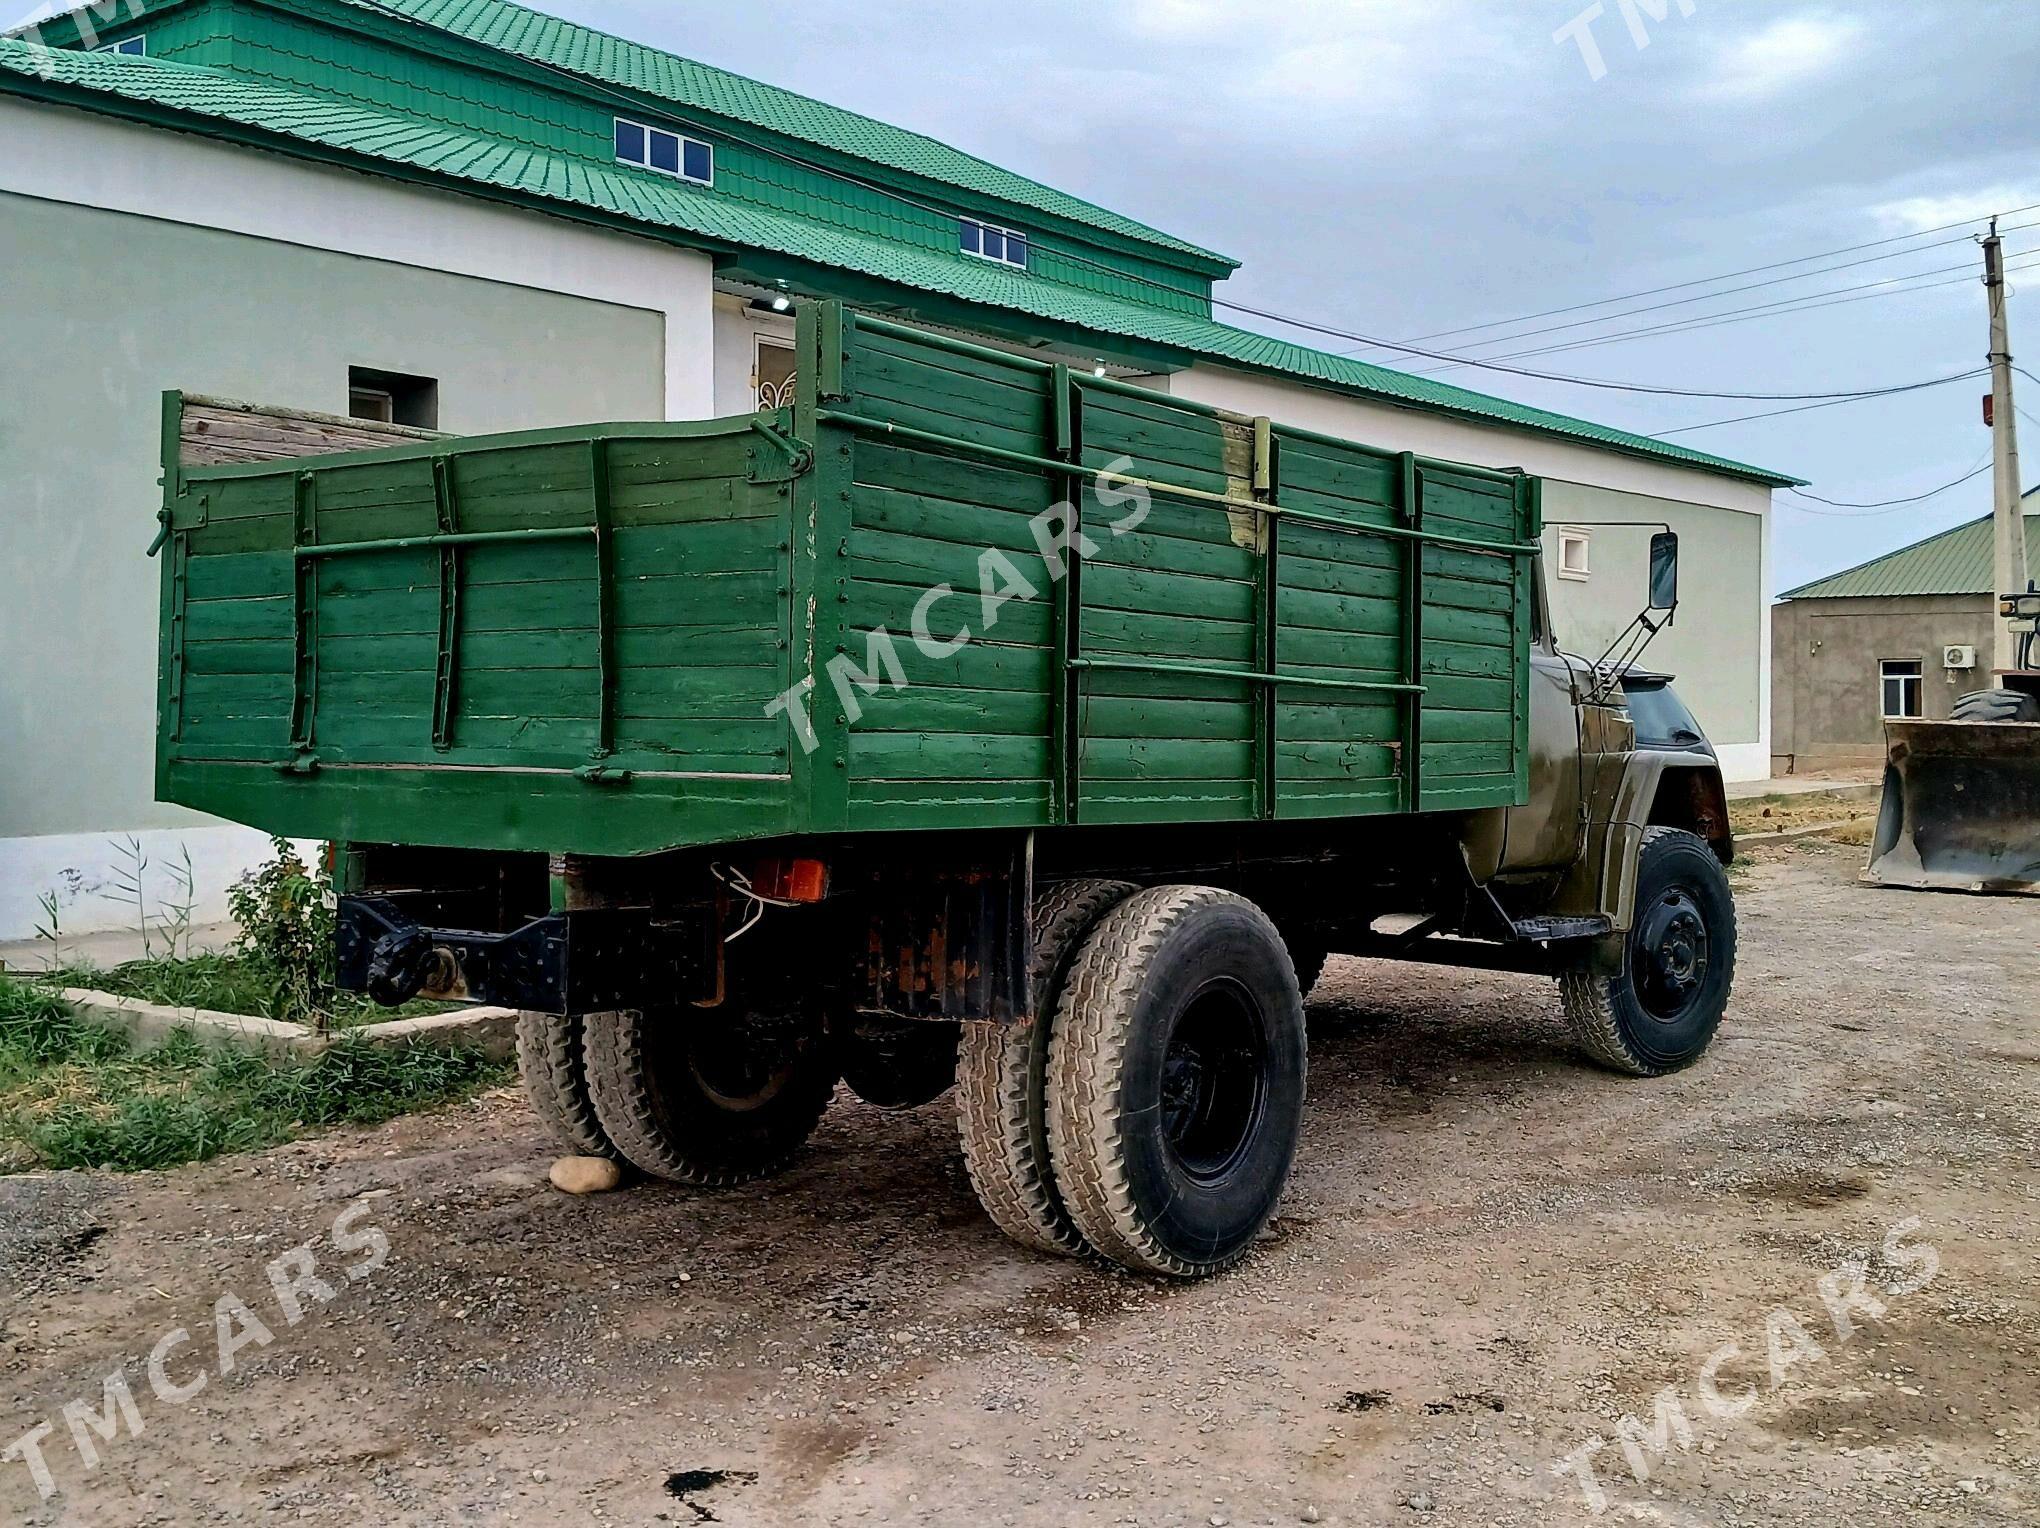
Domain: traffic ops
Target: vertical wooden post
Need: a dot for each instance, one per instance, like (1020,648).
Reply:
(1268,617)
(304,702)
(828,510)
(1529,528)
(605,598)
(446,507)
(1065,696)
(1412,497)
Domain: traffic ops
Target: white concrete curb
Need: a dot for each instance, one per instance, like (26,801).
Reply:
(493,1031)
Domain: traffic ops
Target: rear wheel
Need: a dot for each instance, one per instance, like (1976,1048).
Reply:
(706,1099)
(1997,706)
(1659,1013)
(1001,1080)
(554,1071)
(1176,1080)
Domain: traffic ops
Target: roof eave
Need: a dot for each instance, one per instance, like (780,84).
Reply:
(1718,467)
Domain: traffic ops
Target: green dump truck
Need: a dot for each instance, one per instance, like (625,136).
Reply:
(978,722)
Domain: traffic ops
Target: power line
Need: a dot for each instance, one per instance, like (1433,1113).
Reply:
(1753,270)
(1598,382)
(1918,498)
(1807,408)
(1661,307)
(1893,286)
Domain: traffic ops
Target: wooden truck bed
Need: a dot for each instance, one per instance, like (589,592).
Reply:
(572,640)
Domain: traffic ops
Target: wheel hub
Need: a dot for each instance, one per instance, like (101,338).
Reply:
(741,1069)
(1212,1083)
(1673,954)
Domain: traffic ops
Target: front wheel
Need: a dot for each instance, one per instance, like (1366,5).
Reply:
(1659,1013)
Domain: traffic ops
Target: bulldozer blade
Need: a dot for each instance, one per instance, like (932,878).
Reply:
(1961,807)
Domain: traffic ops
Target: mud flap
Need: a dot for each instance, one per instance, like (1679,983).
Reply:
(1961,807)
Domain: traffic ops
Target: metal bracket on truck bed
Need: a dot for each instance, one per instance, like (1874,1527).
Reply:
(592,960)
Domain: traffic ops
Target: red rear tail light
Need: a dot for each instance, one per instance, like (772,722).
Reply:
(795,880)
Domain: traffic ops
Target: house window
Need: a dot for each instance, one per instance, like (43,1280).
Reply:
(1573,559)
(989,243)
(653,148)
(772,375)
(393,397)
(1902,680)
(136,47)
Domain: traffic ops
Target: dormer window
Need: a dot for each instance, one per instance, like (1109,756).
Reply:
(653,148)
(1004,245)
(135,47)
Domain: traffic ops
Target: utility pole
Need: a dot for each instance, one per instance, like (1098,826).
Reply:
(2009,565)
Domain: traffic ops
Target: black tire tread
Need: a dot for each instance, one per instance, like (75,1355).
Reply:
(1086,1060)
(995,1091)
(1589,999)
(551,1064)
(634,1114)
(1996,706)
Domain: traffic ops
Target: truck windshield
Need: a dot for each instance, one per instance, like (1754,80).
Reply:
(1661,717)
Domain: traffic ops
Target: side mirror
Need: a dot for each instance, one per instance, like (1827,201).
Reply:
(1664,571)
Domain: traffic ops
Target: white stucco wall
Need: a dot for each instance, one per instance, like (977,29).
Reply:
(139,260)
(1722,644)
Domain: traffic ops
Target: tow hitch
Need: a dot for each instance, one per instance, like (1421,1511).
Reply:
(395,948)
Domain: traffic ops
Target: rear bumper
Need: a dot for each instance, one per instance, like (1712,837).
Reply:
(400,946)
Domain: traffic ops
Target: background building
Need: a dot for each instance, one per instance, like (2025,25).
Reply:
(467,215)
(1902,635)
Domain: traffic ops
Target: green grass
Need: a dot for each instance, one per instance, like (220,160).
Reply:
(77,1095)
(228,984)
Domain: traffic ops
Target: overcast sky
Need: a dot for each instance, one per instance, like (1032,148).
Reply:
(1399,169)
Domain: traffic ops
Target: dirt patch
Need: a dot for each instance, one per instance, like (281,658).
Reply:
(1491,1252)
(1849,812)
(1809,1192)
(1357,1402)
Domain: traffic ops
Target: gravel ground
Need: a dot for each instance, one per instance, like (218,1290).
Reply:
(1490,1255)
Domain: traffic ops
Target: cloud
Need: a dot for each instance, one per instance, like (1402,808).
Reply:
(1915,214)
(1339,65)
(1789,52)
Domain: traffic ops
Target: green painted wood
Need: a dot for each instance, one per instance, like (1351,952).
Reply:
(1299,628)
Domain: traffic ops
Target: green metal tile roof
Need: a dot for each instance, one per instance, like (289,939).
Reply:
(583,51)
(1958,561)
(203,100)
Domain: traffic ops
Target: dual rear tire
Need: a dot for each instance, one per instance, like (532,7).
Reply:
(698,1099)
(1151,1112)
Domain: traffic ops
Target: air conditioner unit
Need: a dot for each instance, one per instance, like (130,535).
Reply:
(1953,657)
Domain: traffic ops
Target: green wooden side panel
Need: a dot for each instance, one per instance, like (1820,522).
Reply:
(987,592)
(608,603)
(1103,695)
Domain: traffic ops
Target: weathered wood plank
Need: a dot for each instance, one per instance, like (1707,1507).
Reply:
(214,431)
